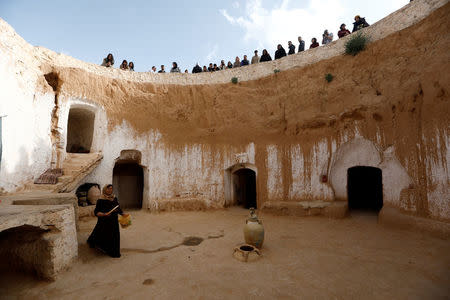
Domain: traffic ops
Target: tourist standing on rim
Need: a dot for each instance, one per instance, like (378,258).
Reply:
(154,69)
(237,62)
(265,56)
(343,31)
(197,69)
(291,48)
(131,66)
(229,65)
(108,61)
(255,58)
(175,68)
(359,23)
(162,69)
(245,61)
(327,37)
(314,43)
(106,234)
(222,65)
(280,52)
(301,44)
(124,65)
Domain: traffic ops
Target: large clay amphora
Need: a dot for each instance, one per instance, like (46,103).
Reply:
(254,230)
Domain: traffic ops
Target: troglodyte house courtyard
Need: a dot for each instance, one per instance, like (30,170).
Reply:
(345,159)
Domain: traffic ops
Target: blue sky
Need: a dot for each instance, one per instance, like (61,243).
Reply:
(159,32)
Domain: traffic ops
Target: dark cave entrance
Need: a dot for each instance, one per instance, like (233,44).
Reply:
(128,182)
(365,189)
(244,183)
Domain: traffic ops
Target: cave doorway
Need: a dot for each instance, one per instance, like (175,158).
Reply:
(365,189)
(244,187)
(80,130)
(128,183)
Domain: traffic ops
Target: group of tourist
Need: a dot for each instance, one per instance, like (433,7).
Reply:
(108,62)
(327,37)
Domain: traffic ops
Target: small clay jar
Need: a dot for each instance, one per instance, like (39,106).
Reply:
(254,230)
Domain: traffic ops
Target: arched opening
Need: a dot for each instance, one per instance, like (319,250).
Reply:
(128,182)
(365,188)
(244,187)
(80,129)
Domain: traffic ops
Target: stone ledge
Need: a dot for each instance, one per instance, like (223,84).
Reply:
(182,204)
(40,239)
(393,217)
(335,209)
(44,198)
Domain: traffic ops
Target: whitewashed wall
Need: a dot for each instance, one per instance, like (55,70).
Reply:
(26,127)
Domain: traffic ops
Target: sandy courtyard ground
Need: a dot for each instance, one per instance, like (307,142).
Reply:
(303,258)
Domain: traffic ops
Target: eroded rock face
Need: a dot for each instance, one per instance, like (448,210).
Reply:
(38,239)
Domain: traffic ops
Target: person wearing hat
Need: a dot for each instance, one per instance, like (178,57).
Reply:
(359,23)
(343,32)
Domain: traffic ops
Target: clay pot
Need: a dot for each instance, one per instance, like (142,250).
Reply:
(246,253)
(93,194)
(254,230)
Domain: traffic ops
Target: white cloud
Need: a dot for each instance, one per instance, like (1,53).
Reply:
(213,53)
(266,27)
(236,4)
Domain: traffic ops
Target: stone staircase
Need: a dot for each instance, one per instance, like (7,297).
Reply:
(76,166)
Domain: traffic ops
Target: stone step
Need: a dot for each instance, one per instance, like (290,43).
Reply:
(75,168)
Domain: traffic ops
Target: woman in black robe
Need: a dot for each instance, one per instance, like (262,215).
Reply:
(106,235)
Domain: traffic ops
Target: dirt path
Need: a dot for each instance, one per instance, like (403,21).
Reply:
(302,258)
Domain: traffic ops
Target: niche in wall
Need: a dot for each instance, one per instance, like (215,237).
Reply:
(80,130)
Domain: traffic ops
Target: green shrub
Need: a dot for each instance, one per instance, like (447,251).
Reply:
(234,80)
(356,44)
(329,77)
(276,71)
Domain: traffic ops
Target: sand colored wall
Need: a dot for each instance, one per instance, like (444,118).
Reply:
(386,107)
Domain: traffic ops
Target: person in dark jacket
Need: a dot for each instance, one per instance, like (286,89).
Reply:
(343,31)
(280,52)
(359,23)
(196,69)
(265,56)
(245,61)
(229,65)
(301,45)
(314,43)
(291,48)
